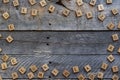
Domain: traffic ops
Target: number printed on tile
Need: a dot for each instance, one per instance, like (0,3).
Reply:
(41,75)
(66,73)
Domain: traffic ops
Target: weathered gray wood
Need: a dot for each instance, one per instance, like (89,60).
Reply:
(55,21)
(32,42)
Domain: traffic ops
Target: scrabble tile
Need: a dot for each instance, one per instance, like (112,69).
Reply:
(91,76)
(34,12)
(115,37)
(11,27)
(0,49)
(23,10)
(78,13)
(55,72)
(15,3)
(14,61)
(110,48)
(109,1)
(81,77)
(79,2)
(119,25)
(118,50)
(115,69)
(101,17)
(4,66)
(30,75)
(1,77)
(43,3)
(32,2)
(66,73)
(51,9)
(45,67)
(22,70)
(75,69)
(104,66)
(5,1)
(40,75)
(0,35)
(89,15)
(87,68)
(66,12)
(92,2)
(110,26)
(100,7)
(14,75)
(100,75)
(33,68)
(6,15)
(5,58)
(9,39)
(115,77)
(111,58)
(114,11)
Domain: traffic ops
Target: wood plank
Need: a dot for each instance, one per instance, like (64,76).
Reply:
(33,42)
(61,62)
(55,21)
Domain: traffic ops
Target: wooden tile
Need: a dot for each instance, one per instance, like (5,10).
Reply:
(14,61)
(115,69)
(22,70)
(78,13)
(118,50)
(0,49)
(33,68)
(14,75)
(101,17)
(114,11)
(30,75)
(11,27)
(115,77)
(4,66)
(110,26)
(79,2)
(23,10)
(15,3)
(41,75)
(51,9)
(75,69)
(100,75)
(91,76)
(111,58)
(92,2)
(104,66)
(43,3)
(66,12)
(100,7)
(89,15)
(9,39)
(87,68)
(115,37)
(119,25)
(66,73)
(81,77)
(110,48)
(34,12)
(45,67)
(5,58)
(109,1)
(6,15)
(32,2)
(55,72)
(1,77)
(5,1)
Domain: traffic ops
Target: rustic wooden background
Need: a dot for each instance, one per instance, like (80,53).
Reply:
(61,42)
